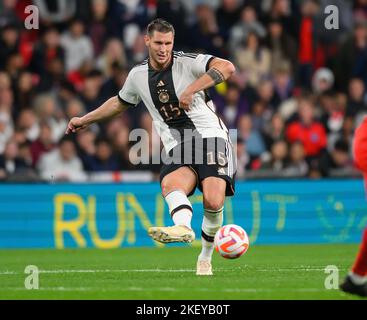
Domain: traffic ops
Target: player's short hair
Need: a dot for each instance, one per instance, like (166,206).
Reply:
(160,25)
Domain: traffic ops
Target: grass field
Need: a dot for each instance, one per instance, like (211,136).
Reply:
(264,272)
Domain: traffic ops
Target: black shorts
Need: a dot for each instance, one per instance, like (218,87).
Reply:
(207,157)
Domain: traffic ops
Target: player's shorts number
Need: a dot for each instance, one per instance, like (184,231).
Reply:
(221,158)
(170,112)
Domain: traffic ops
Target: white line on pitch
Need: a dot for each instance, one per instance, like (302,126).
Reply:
(166,289)
(101,271)
(58,271)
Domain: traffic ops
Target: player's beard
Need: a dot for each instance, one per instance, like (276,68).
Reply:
(161,63)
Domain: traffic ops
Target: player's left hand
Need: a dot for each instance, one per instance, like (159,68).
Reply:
(186,99)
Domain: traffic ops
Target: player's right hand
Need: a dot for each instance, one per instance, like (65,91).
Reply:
(75,124)
(186,99)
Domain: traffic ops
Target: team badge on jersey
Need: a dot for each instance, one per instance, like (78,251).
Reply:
(163,96)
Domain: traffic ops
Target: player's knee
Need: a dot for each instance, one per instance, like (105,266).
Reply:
(166,187)
(213,201)
(169,186)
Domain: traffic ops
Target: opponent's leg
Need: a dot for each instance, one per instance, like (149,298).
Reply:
(175,188)
(214,196)
(360,265)
(356,280)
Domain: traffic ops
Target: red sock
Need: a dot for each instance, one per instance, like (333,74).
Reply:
(360,265)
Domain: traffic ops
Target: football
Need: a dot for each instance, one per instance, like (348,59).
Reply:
(231,241)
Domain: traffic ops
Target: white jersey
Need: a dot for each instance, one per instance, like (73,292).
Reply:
(160,90)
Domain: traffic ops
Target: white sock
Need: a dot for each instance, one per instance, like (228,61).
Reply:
(357,279)
(180,208)
(207,249)
(212,221)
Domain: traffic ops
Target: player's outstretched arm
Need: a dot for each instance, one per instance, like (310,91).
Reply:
(111,108)
(219,71)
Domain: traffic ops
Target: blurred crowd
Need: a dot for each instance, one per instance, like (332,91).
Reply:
(297,96)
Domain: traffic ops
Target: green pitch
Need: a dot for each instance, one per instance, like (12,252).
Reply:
(264,272)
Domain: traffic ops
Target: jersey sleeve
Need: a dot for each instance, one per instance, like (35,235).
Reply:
(200,64)
(128,94)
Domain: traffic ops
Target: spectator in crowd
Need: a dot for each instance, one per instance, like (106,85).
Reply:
(114,82)
(138,51)
(46,50)
(121,147)
(297,165)
(62,164)
(167,9)
(10,162)
(26,157)
(247,24)
(9,43)
(74,108)
(205,33)
(8,13)
(231,106)
(254,60)
(86,147)
(5,82)
(90,94)
(253,139)
(28,123)
(260,115)
(307,129)
(243,158)
(282,46)
(77,77)
(99,25)
(352,57)
(333,114)
(322,80)
(47,111)
(7,101)
(78,47)
(43,144)
(113,54)
(308,41)
(104,159)
(338,158)
(53,78)
(227,15)
(278,157)
(65,93)
(360,10)
(56,11)
(265,94)
(357,99)
(274,130)
(14,64)
(24,91)
(6,129)
(283,83)
(281,10)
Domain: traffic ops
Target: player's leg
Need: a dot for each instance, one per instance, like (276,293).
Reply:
(356,280)
(216,181)
(176,186)
(360,265)
(214,190)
